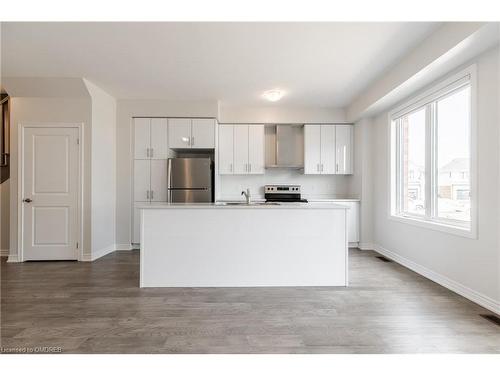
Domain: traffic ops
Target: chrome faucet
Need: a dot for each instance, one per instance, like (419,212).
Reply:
(247,195)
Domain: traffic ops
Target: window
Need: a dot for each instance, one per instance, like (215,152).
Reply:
(431,156)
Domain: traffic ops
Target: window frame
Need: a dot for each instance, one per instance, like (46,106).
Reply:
(427,100)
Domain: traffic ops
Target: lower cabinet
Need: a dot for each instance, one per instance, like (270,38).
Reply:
(352,219)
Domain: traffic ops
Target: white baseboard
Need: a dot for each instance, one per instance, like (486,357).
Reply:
(99,253)
(353,245)
(4,252)
(123,246)
(366,246)
(479,298)
(13,259)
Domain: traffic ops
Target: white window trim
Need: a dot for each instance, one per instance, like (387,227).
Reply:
(468,74)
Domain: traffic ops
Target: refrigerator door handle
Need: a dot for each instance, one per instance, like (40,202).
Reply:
(169,180)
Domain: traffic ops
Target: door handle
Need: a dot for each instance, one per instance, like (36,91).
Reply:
(27,200)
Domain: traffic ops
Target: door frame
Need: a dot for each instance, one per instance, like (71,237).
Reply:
(20,180)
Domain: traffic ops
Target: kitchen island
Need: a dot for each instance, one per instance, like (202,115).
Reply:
(239,245)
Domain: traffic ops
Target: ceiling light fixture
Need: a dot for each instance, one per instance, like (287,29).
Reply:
(273,95)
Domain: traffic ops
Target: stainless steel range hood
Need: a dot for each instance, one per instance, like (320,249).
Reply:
(285,146)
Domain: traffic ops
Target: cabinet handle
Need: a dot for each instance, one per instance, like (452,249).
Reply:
(147,152)
(317,167)
(321,167)
(249,167)
(337,167)
(152,195)
(152,152)
(147,194)
(231,167)
(192,141)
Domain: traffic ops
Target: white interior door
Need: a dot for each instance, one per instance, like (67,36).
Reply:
(158,181)
(50,186)
(159,138)
(327,149)
(203,133)
(226,149)
(179,133)
(312,149)
(343,147)
(142,180)
(256,149)
(142,137)
(240,149)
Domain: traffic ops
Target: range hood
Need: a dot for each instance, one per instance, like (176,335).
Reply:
(285,146)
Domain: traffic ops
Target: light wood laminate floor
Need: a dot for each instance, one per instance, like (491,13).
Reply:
(98,308)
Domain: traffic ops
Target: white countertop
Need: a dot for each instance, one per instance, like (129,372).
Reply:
(223,205)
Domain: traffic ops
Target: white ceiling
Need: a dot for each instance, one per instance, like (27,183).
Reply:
(317,64)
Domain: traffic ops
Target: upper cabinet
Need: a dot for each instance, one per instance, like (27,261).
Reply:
(241,149)
(343,149)
(191,133)
(327,149)
(150,138)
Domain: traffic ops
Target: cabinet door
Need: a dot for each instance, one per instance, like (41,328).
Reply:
(142,138)
(158,181)
(327,149)
(136,234)
(159,138)
(312,149)
(343,149)
(203,133)
(353,222)
(226,149)
(142,181)
(240,149)
(179,133)
(256,149)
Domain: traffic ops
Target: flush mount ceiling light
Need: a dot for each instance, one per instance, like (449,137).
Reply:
(273,95)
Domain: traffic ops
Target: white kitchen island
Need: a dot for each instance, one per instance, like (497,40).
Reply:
(219,245)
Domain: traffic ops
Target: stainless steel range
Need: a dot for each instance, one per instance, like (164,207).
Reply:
(283,193)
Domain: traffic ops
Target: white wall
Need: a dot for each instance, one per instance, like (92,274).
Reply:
(280,114)
(51,111)
(470,266)
(126,110)
(103,159)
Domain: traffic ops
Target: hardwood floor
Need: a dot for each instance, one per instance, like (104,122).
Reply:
(98,308)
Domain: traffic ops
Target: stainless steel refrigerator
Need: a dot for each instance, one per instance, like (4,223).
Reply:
(189,180)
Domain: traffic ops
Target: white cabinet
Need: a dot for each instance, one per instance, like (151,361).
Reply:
(312,149)
(179,133)
(256,149)
(142,138)
(241,149)
(226,147)
(203,133)
(142,180)
(151,152)
(150,138)
(353,222)
(158,188)
(159,137)
(191,133)
(343,149)
(327,149)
